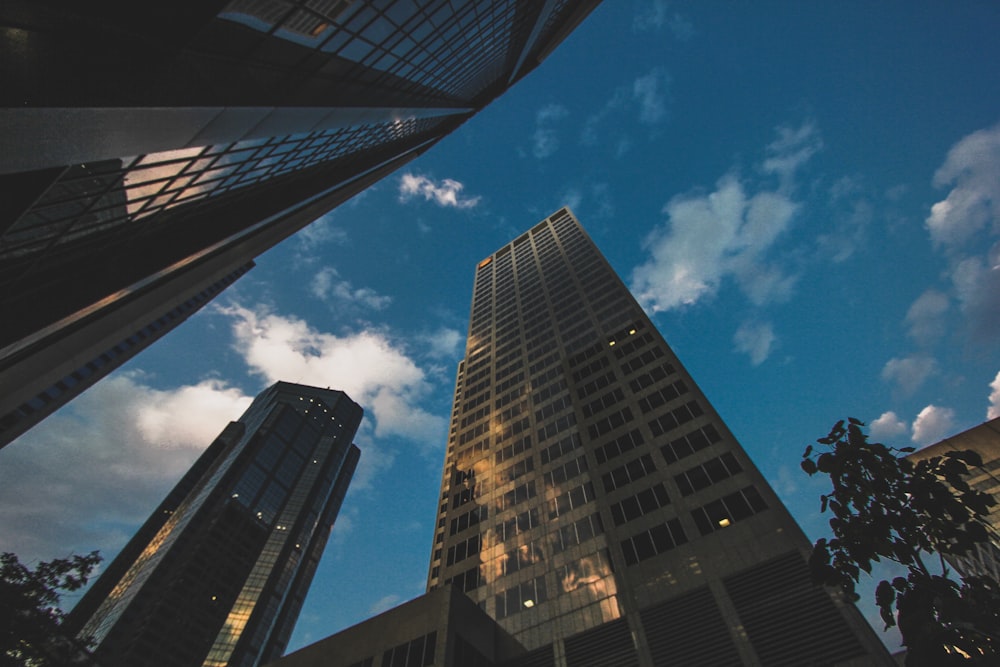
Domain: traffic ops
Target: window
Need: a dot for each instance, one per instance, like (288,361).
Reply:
(560,448)
(567,471)
(628,473)
(721,513)
(618,446)
(416,653)
(711,472)
(572,499)
(612,421)
(604,402)
(471,518)
(675,418)
(521,597)
(690,443)
(462,550)
(661,396)
(516,525)
(656,540)
(646,501)
(576,533)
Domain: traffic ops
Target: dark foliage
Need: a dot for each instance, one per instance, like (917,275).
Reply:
(885,506)
(30,618)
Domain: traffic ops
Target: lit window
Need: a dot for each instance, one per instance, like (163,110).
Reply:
(723,523)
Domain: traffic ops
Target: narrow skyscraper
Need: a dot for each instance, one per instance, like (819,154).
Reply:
(217,575)
(151,150)
(595,504)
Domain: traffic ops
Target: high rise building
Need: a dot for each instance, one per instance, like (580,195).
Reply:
(156,148)
(217,575)
(984,560)
(595,504)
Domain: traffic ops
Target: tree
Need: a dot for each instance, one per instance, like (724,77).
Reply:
(30,618)
(885,506)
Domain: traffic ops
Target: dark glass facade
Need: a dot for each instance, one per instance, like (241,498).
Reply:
(595,504)
(218,573)
(155,144)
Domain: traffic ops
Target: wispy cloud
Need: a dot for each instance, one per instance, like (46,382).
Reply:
(545,140)
(384,604)
(446,193)
(326,285)
(444,343)
(321,232)
(909,373)
(791,150)
(650,93)
(646,96)
(655,15)
(932,424)
(756,339)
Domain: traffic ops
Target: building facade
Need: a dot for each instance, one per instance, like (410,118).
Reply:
(595,504)
(217,575)
(984,560)
(160,147)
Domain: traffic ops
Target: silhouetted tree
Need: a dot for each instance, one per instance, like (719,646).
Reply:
(885,506)
(30,618)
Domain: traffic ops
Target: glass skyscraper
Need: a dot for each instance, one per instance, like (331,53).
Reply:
(152,149)
(217,575)
(595,504)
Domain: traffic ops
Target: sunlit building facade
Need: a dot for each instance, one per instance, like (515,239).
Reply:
(595,504)
(984,559)
(217,576)
(153,146)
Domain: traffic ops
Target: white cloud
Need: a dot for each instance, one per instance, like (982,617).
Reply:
(973,168)
(933,424)
(792,149)
(367,365)
(113,453)
(909,373)
(993,411)
(976,281)
(447,193)
(887,427)
(926,316)
(326,286)
(545,140)
(755,339)
(708,238)
(966,226)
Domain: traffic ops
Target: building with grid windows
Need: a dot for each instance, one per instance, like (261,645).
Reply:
(217,575)
(156,148)
(984,560)
(595,504)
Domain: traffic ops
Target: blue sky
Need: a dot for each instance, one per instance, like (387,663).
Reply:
(805,197)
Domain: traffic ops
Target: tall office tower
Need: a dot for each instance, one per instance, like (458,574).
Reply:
(217,575)
(984,560)
(595,504)
(151,149)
